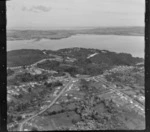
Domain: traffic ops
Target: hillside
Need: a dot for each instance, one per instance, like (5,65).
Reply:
(74,89)
(24,57)
(73,60)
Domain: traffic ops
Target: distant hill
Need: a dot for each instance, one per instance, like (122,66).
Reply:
(60,34)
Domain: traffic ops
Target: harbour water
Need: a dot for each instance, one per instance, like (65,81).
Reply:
(116,43)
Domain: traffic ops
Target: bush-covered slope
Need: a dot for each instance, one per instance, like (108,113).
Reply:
(103,58)
(24,57)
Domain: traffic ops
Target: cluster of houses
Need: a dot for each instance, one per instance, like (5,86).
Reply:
(138,108)
(118,69)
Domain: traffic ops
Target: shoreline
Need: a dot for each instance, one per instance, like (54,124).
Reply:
(59,38)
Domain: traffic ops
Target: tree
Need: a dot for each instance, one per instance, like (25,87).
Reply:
(29,90)
(84,85)
(48,84)
(56,84)
(19,118)
(10,72)
(34,129)
(20,96)
(69,97)
(74,121)
(24,67)
(10,118)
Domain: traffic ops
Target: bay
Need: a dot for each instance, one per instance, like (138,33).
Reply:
(116,43)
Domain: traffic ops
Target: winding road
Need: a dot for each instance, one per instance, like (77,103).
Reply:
(68,85)
(34,64)
(20,128)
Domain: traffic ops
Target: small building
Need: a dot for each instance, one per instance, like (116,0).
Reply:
(142,98)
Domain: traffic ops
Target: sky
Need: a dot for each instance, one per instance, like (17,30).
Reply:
(47,14)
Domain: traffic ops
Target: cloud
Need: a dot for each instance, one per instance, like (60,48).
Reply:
(39,8)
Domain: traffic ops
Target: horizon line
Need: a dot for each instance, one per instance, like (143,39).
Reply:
(69,27)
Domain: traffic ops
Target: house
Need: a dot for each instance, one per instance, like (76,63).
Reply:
(142,98)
